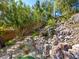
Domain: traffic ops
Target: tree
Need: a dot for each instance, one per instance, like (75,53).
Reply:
(45,8)
(25,19)
(3,9)
(18,17)
(65,6)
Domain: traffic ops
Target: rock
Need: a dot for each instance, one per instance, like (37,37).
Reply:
(75,18)
(36,38)
(75,50)
(76,46)
(15,47)
(5,57)
(33,54)
(10,50)
(67,37)
(46,51)
(19,42)
(66,32)
(47,32)
(60,51)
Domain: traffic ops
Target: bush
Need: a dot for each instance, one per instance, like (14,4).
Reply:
(10,42)
(51,23)
(35,33)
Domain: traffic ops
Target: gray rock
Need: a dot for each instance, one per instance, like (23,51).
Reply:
(75,18)
(5,57)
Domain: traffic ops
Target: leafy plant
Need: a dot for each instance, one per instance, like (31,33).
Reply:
(34,33)
(25,57)
(10,42)
(51,22)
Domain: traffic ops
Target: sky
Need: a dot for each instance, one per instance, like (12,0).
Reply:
(29,2)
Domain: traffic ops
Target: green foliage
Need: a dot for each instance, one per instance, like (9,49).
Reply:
(51,22)
(25,57)
(34,33)
(10,42)
(65,6)
(2,33)
(21,17)
(26,19)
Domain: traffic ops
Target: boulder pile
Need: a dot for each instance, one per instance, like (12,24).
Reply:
(69,31)
(65,51)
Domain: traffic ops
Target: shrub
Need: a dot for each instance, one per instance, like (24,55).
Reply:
(34,33)
(51,22)
(10,42)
